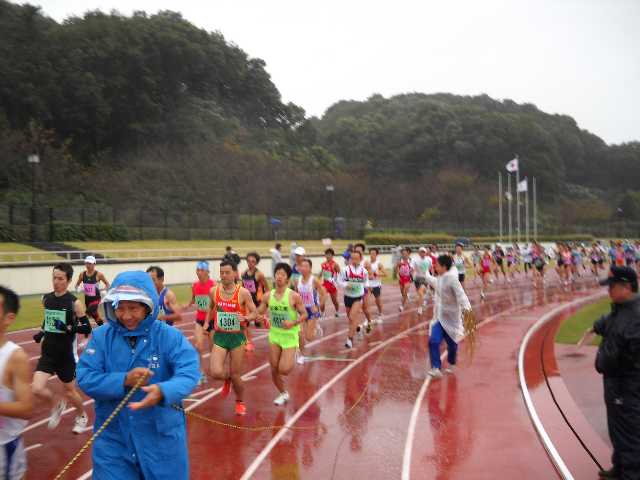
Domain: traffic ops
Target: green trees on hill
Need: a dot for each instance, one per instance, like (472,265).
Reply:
(149,109)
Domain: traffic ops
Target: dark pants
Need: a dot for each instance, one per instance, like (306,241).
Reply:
(622,399)
(437,335)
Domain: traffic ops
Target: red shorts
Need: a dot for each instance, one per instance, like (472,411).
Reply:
(404,280)
(330,288)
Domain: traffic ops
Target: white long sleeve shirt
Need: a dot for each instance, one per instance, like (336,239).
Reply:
(450,300)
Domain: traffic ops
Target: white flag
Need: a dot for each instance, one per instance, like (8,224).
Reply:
(522,186)
(512,166)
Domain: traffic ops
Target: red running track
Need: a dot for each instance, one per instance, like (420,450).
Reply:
(470,425)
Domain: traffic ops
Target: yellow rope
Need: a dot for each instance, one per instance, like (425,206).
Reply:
(101,429)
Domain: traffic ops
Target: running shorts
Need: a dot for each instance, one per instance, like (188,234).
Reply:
(92,309)
(311,315)
(350,301)
(330,288)
(201,323)
(461,277)
(404,280)
(63,365)
(284,338)
(376,291)
(419,281)
(229,340)
(13,459)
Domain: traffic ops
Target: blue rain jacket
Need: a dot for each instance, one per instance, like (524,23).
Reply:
(150,443)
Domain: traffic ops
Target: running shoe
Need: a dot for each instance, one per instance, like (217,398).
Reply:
(56,414)
(400,308)
(435,373)
(282,399)
(249,347)
(226,388)
(241,409)
(482,295)
(300,359)
(420,310)
(348,343)
(80,423)
(319,331)
(451,369)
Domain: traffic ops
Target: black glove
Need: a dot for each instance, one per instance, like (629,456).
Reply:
(38,336)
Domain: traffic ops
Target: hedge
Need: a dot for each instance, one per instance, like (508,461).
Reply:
(65,232)
(541,238)
(378,238)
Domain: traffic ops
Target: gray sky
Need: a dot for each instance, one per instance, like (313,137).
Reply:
(578,57)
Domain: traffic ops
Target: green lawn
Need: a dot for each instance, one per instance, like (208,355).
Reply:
(240,246)
(30,314)
(574,327)
(37,254)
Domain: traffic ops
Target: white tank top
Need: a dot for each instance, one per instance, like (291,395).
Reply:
(307,291)
(374,280)
(10,428)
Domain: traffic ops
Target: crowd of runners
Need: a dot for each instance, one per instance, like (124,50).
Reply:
(292,305)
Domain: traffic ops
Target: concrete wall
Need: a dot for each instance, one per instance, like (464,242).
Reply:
(31,280)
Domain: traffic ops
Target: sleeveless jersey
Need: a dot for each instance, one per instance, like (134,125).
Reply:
(374,281)
(226,318)
(10,428)
(308,292)
(281,311)
(404,270)
(251,284)
(90,287)
(329,272)
(200,292)
(163,308)
(355,281)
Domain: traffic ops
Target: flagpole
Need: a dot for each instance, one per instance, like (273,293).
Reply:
(535,211)
(509,198)
(518,201)
(526,209)
(500,201)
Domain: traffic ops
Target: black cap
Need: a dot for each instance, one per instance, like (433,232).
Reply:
(621,275)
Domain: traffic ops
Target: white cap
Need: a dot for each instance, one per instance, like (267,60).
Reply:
(422,249)
(126,293)
(90,259)
(299,251)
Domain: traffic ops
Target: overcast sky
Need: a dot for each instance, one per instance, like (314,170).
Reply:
(578,57)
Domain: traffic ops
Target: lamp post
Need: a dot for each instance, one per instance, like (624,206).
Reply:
(331,189)
(34,160)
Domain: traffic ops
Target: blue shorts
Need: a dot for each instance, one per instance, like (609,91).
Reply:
(311,315)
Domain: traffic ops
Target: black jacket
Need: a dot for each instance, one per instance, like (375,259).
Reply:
(619,352)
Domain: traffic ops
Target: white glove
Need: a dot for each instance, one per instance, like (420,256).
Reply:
(80,288)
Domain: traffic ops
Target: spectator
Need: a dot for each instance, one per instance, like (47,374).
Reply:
(276,258)
(231,256)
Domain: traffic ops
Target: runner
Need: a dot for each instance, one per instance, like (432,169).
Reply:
(90,280)
(286,313)
(64,316)
(451,302)
(361,247)
(539,262)
(200,298)
(487,265)
(354,279)
(16,402)
(461,263)
(376,272)
(330,271)
(404,271)
(527,259)
(476,256)
(511,263)
(420,267)
(231,309)
(597,260)
(298,254)
(167,302)
(564,263)
(313,295)
(256,283)
(499,262)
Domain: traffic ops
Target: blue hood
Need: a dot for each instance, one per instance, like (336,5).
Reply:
(137,279)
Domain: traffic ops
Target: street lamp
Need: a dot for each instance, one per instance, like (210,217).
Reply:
(33,159)
(330,189)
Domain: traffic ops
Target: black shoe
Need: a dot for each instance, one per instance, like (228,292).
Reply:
(612,473)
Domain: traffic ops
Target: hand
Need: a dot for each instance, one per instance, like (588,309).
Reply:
(288,325)
(205,326)
(38,336)
(60,325)
(153,398)
(134,375)
(79,289)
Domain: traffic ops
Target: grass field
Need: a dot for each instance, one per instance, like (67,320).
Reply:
(574,327)
(37,254)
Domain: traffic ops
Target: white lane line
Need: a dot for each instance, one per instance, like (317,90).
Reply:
(33,447)
(411,431)
(283,431)
(533,414)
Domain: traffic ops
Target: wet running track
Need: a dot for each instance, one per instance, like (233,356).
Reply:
(372,412)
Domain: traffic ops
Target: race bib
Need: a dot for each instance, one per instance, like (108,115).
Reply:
(307,298)
(90,289)
(50,317)
(202,302)
(327,275)
(278,318)
(228,322)
(355,289)
(249,285)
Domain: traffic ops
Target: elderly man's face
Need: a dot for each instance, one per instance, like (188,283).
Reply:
(130,314)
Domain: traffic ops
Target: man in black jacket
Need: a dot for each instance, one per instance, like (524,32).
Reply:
(618,360)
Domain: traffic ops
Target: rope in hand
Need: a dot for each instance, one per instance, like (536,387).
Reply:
(106,423)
